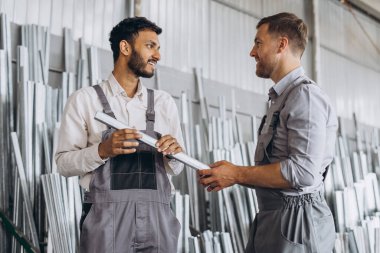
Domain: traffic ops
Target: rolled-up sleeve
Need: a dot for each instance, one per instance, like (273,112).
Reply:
(306,122)
(73,156)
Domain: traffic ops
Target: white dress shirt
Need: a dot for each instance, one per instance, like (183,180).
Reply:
(80,134)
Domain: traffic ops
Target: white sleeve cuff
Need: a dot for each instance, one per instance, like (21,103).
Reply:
(172,166)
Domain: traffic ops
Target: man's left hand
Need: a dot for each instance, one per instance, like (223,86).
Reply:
(221,175)
(168,145)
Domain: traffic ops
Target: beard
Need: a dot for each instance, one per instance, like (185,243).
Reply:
(265,68)
(137,65)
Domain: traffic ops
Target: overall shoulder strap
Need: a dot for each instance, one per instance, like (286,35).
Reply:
(103,99)
(280,104)
(150,114)
(290,88)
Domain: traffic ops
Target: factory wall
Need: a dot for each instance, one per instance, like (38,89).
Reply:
(217,36)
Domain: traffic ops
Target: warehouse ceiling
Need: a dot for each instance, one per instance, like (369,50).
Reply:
(372,7)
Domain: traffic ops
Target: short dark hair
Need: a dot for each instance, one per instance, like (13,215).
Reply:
(128,29)
(289,25)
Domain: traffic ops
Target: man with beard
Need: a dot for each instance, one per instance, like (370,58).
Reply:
(295,146)
(127,183)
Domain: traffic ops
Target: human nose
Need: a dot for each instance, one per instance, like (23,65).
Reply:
(253,52)
(157,55)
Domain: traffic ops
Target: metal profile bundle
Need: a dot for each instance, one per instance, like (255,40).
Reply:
(353,189)
(231,210)
(32,71)
(64,205)
(37,40)
(191,177)
(24,188)
(236,216)
(93,65)
(36,117)
(6,120)
(181,205)
(6,45)
(210,242)
(202,99)
(82,70)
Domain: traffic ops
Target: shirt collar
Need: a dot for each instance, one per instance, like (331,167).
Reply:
(116,88)
(278,88)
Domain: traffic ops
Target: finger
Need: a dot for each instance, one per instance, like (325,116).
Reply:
(128,136)
(164,139)
(171,148)
(126,151)
(125,137)
(209,188)
(218,188)
(165,145)
(127,133)
(124,131)
(123,151)
(177,150)
(128,144)
(216,164)
(208,181)
(204,173)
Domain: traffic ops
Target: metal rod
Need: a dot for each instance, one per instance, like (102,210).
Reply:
(24,188)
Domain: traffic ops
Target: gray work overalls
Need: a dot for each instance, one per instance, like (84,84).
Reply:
(287,224)
(127,208)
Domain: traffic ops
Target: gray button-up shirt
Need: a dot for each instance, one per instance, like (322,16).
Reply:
(304,142)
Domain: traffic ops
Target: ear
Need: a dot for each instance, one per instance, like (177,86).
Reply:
(283,44)
(124,47)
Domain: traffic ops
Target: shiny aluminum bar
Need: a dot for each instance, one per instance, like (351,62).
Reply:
(53,227)
(182,157)
(16,208)
(94,65)
(157,79)
(24,188)
(3,131)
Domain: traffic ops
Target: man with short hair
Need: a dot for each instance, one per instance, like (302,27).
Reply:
(295,146)
(128,189)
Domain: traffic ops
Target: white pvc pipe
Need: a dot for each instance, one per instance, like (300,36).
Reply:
(182,157)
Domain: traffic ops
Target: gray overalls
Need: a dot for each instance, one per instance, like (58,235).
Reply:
(127,208)
(287,224)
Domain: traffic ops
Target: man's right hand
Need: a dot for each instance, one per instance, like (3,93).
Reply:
(120,142)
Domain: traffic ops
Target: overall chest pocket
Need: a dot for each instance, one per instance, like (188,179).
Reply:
(134,171)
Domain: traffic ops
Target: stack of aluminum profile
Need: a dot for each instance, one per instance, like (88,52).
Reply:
(208,242)
(352,190)
(180,205)
(231,211)
(22,183)
(63,205)
(63,195)
(34,119)
(93,66)
(6,122)
(32,75)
